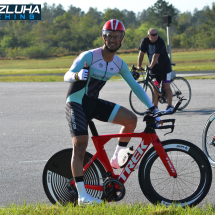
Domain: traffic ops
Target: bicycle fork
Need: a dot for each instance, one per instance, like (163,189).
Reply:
(163,156)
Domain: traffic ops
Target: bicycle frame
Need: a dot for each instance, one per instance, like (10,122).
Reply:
(146,140)
(149,78)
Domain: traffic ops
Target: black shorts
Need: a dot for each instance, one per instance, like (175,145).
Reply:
(165,78)
(78,115)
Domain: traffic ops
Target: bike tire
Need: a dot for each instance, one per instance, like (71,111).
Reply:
(208,139)
(180,87)
(194,175)
(136,105)
(57,176)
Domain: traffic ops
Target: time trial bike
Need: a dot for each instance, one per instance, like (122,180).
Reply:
(171,172)
(208,139)
(180,88)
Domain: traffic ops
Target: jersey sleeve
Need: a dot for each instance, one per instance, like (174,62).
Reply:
(143,46)
(79,62)
(136,88)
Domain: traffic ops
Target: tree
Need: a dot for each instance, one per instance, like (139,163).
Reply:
(113,14)
(41,33)
(96,15)
(142,16)
(46,13)
(75,11)
(19,30)
(161,8)
(130,19)
(184,22)
(209,22)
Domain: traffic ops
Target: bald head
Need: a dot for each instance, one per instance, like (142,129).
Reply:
(152,31)
(152,35)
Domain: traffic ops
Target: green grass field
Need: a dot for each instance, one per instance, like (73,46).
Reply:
(106,209)
(185,61)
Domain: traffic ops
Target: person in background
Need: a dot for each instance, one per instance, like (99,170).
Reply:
(159,63)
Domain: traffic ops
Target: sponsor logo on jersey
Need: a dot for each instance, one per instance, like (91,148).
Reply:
(100,75)
(73,121)
(100,65)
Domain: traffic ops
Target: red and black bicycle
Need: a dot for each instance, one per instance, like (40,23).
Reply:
(171,172)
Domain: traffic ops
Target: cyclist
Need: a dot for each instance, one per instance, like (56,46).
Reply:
(159,63)
(87,75)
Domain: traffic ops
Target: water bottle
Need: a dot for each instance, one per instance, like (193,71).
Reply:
(156,83)
(124,156)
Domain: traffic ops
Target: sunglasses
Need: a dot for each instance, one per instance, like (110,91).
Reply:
(154,34)
(115,37)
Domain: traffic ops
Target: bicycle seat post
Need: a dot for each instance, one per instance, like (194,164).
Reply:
(93,128)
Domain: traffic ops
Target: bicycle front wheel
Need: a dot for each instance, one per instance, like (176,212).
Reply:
(194,175)
(57,176)
(180,87)
(208,139)
(136,105)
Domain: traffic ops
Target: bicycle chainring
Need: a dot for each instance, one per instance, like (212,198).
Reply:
(162,100)
(114,189)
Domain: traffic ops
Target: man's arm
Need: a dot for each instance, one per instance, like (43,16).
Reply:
(140,60)
(154,60)
(76,72)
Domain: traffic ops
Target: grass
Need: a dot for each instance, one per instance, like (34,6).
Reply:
(106,209)
(47,78)
(47,70)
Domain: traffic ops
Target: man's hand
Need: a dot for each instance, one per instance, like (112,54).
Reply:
(83,75)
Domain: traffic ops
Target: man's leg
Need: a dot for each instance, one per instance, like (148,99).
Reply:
(168,92)
(78,127)
(128,120)
(79,148)
(156,96)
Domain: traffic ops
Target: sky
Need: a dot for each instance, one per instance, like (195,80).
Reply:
(130,5)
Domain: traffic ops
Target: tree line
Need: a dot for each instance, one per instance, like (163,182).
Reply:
(66,31)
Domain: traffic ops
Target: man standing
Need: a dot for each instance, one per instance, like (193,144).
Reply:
(159,63)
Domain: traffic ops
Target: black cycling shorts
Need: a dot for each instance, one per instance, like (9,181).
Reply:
(165,78)
(78,115)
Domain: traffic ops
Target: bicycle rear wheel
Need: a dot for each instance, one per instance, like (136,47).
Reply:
(136,105)
(57,176)
(194,175)
(180,87)
(208,139)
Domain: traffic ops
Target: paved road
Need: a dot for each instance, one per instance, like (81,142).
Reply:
(33,127)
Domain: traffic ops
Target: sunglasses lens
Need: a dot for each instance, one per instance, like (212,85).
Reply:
(154,34)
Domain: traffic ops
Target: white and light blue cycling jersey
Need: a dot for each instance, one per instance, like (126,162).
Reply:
(100,72)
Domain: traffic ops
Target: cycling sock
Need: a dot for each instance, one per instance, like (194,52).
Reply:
(81,189)
(124,144)
(79,178)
